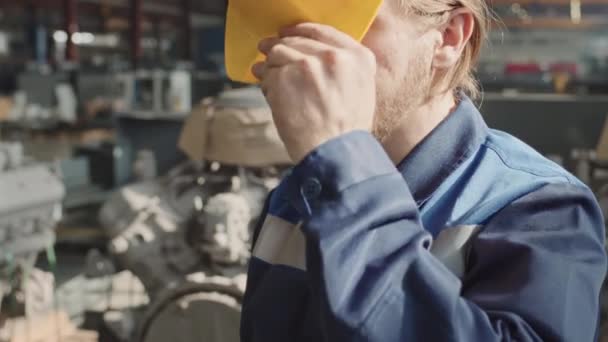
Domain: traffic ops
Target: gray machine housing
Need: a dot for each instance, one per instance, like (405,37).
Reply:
(187,235)
(30,208)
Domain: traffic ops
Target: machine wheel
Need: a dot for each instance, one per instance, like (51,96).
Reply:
(208,311)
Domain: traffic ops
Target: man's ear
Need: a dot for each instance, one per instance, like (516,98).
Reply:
(454,38)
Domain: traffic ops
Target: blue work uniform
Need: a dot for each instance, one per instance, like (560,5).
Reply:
(473,237)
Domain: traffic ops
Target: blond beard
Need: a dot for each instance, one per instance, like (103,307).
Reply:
(394,106)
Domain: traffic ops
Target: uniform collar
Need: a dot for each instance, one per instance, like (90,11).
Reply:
(444,150)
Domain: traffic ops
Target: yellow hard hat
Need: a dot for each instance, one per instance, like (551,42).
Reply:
(250,21)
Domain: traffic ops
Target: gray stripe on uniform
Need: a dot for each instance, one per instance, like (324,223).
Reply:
(451,247)
(281,243)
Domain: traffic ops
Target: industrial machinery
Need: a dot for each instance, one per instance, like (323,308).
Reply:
(186,236)
(43,100)
(153,94)
(30,207)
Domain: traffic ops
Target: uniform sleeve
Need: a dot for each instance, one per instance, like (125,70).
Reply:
(534,271)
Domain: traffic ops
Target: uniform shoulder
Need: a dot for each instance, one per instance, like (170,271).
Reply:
(503,170)
(520,157)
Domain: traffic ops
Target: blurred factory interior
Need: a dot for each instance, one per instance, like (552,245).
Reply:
(126,200)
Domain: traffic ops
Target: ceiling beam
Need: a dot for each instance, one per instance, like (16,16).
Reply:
(215,7)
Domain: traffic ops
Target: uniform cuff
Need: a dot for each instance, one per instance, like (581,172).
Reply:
(334,166)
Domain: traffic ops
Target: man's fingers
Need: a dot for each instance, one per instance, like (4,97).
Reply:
(282,54)
(322,33)
(268,43)
(305,45)
(258,70)
(279,55)
(270,78)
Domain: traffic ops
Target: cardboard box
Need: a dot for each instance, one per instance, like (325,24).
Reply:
(235,136)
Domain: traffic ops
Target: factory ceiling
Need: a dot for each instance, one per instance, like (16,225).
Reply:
(168,7)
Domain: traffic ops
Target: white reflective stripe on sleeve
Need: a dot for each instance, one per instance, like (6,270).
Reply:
(281,243)
(451,247)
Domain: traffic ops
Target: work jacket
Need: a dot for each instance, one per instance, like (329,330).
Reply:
(473,237)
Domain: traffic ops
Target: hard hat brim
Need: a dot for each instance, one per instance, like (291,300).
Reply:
(249,21)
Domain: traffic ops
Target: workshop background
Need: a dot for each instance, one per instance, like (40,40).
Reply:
(132,169)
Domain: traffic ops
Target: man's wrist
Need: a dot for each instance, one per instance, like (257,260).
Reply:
(300,151)
(302,148)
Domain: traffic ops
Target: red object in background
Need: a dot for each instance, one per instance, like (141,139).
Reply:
(71,27)
(564,67)
(512,69)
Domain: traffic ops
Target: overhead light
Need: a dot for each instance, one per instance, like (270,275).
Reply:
(60,37)
(107,40)
(83,38)
(575,11)
(78,38)
(88,38)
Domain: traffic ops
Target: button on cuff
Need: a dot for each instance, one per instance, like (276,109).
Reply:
(334,166)
(311,189)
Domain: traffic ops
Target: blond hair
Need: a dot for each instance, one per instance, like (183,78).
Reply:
(437,12)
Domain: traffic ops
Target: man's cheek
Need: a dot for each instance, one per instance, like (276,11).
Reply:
(382,60)
(385,80)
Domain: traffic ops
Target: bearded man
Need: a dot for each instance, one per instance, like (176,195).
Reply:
(406,217)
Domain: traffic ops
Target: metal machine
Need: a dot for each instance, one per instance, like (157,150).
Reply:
(186,236)
(149,93)
(44,99)
(30,207)
(157,93)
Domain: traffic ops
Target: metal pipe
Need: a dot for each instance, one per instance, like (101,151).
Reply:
(155,8)
(158,35)
(70,10)
(187,29)
(136,32)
